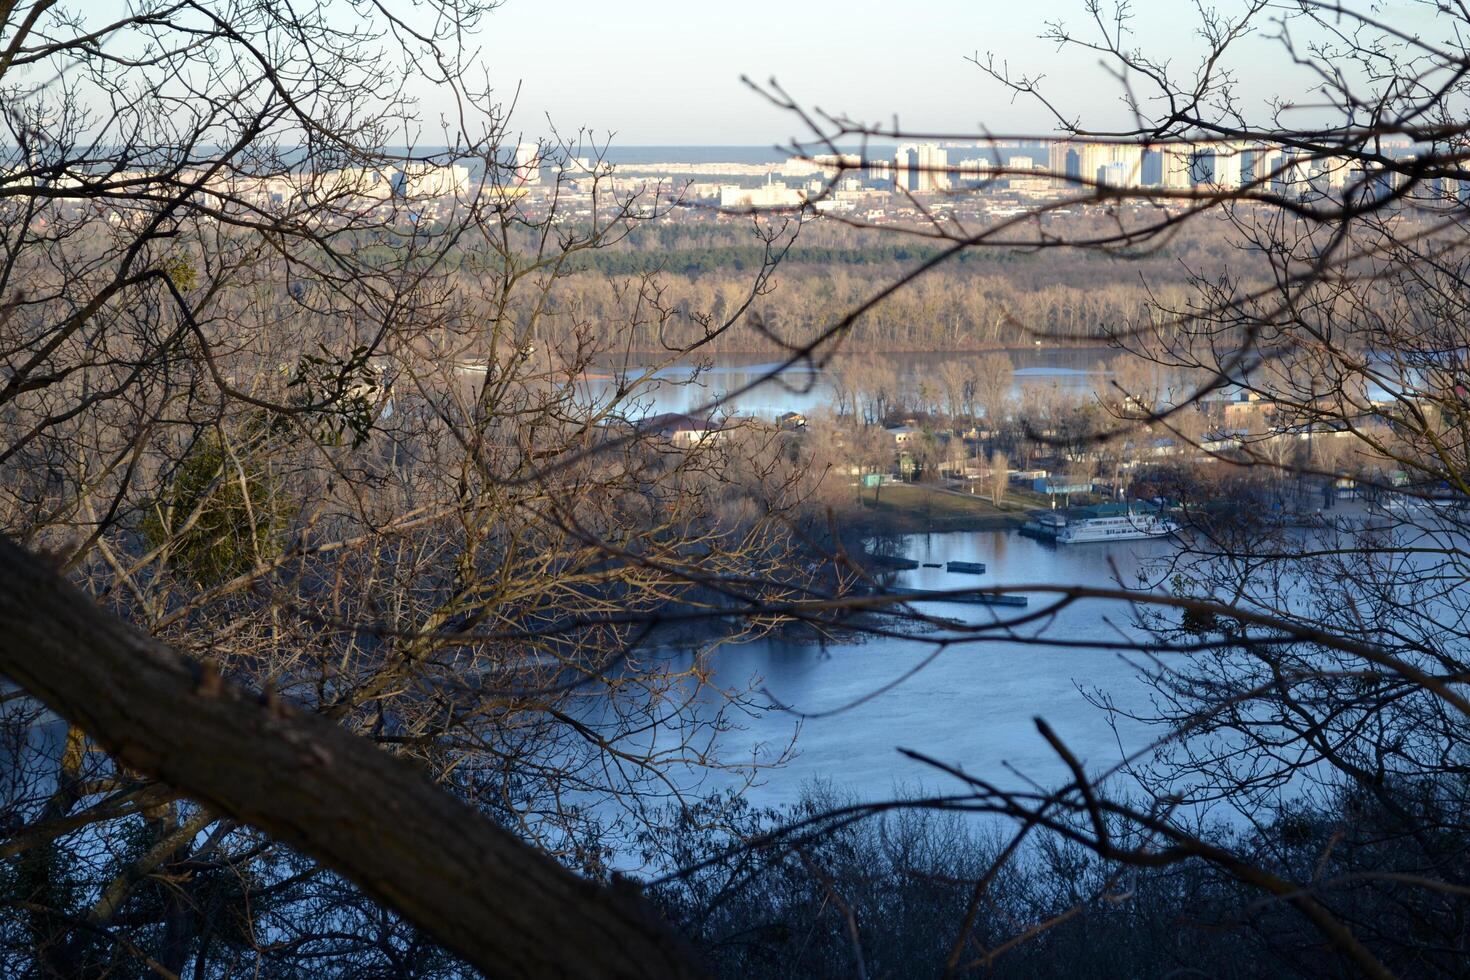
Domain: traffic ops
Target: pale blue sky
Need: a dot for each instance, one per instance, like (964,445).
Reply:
(666,72)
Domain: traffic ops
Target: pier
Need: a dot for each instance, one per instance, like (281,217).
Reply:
(966,598)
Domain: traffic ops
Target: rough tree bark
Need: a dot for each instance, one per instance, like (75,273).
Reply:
(487,896)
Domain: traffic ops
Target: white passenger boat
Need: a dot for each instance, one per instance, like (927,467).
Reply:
(1128,526)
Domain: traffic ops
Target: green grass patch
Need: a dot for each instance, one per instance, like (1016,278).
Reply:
(916,508)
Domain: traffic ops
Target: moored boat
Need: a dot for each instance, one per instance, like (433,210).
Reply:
(1130,525)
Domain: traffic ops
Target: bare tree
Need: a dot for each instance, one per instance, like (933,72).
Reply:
(993,375)
(958,383)
(999,478)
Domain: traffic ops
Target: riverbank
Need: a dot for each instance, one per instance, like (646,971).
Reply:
(773,350)
(913,508)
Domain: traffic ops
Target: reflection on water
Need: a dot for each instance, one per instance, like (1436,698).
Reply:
(974,705)
(806,390)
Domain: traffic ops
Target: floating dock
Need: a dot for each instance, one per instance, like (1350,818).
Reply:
(888,561)
(968,567)
(967,599)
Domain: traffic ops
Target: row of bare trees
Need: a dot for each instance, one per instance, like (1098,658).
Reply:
(964,308)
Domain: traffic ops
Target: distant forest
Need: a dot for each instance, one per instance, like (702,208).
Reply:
(679,277)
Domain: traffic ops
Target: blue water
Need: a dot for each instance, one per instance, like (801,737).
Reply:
(807,390)
(973,705)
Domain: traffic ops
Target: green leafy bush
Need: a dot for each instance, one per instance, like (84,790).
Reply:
(220,514)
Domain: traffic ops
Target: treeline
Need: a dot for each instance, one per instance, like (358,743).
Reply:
(724,259)
(889,896)
(689,280)
(954,308)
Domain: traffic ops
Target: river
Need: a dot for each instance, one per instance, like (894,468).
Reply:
(682,388)
(972,706)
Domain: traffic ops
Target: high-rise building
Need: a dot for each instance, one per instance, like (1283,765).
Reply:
(920,167)
(1151,168)
(973,170)
(429,181)
(1064,161)
(933,168)
(528,163)
(905,159)
(1252,165)
(1202,166)
(1076,162)
(1178,164)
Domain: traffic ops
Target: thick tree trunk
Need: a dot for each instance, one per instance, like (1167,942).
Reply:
(378,821)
